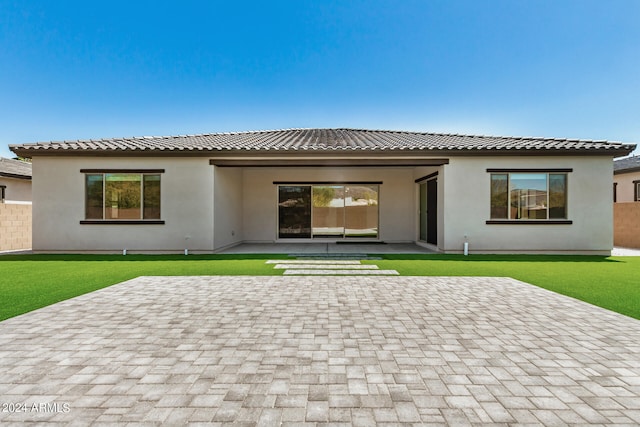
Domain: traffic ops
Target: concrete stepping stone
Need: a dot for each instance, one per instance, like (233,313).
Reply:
(336,272)
(325,256)
(326,266)
(310,261)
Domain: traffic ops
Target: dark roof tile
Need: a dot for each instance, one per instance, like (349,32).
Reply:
(325,140)
(629,164)
(15,168)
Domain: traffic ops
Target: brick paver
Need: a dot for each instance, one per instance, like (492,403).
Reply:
(307,350)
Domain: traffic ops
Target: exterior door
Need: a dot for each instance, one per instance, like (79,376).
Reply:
(429,211)
(423,212)
(432,211)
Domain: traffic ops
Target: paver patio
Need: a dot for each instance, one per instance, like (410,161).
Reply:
(296,350)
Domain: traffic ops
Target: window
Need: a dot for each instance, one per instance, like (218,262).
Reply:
(530,195)
(636,191)
(122,196)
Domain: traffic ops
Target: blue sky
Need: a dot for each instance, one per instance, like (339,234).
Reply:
(96,69)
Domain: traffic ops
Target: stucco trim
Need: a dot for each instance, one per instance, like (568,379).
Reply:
(529,222)
(327,162)
(529,170)
(121,222)
(121,170)
(426,177)
(328,182)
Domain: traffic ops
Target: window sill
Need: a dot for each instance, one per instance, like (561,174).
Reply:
(122,222)
(530,221)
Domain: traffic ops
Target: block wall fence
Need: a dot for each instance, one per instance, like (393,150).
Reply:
(626,220)
(15,226)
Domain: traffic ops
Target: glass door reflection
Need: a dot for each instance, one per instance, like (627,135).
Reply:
(328,211)
(294,212)
(361,211)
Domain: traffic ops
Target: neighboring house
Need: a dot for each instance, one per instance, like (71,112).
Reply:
(626,179)
(15,205)
(208,192)
(626,192)
(15,180)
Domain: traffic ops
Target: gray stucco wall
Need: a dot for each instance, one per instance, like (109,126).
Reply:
(217,207)
(590,207)
(17,190)
(59,194)
(625,185)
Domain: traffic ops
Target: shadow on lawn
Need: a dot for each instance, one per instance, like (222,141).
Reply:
(500,258)
(242,257)
(138,258)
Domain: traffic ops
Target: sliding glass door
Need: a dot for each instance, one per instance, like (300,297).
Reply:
(327,216)
(361,211)
(328,211)
(294,212)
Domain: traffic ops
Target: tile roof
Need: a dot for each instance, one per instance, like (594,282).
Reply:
(15,168)
(324,140)
(629,164)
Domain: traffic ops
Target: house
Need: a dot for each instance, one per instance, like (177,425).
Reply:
(15,205)
(209,192)
(626,192)
(15,180)
(626,179)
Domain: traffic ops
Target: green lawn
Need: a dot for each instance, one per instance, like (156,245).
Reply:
(609,282)
(28,282)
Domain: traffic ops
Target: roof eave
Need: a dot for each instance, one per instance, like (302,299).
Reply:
(15,176)
(618,151)
(627,170)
